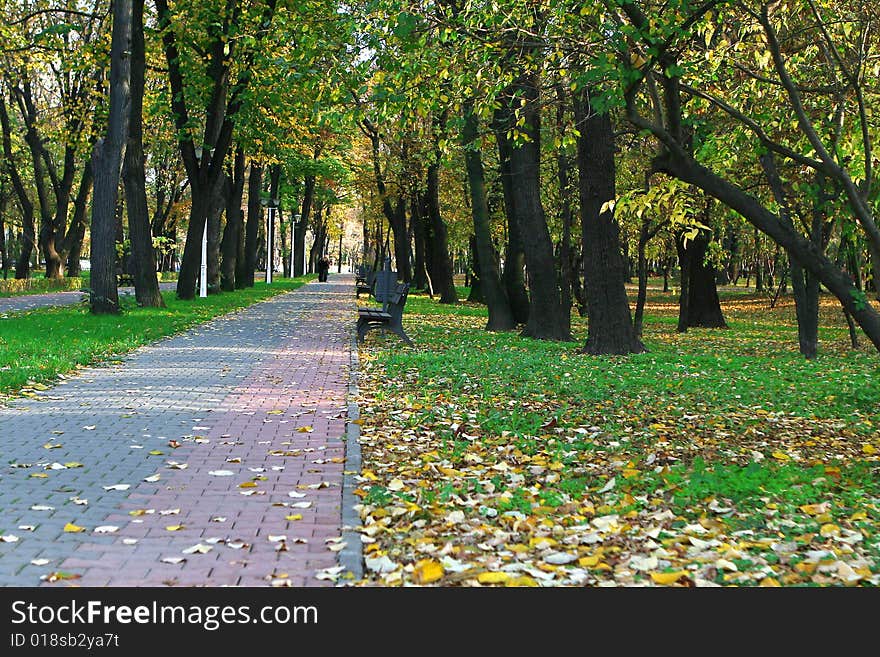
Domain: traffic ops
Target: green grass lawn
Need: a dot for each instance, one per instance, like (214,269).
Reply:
(38,345)
(726,436)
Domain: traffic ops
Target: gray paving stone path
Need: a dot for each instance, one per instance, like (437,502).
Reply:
(212,458)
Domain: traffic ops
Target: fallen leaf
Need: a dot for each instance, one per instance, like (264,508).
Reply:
(106,529)
(118,487)
(73,529)
(221,473)
(197,548)
(426,571)
(493,577)
(666,579)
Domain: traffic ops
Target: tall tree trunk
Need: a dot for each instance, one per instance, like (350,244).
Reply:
(500,314)
(610,325)
(28,239)
(215,214)
(441,274)
(143,257)
(417,222)
(77,231)
(566,275)
(252,230)
(304,221)
(230,245)
(106,160)
(703,307)
(401,239)
(514,255)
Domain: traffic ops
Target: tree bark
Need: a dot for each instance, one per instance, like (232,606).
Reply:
(702,307)
(610,328)
(107,160)
(486,266)
(252,230)
(514,255)
(23,262)
(305,218)
(229,246)
(143,257)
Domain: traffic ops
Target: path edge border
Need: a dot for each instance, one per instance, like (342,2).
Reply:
(352,556)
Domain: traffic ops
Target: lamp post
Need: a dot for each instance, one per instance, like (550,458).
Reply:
(296,218)
(270,237)
(203,271)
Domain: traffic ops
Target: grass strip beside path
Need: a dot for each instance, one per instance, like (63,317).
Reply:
(37,346)
(720,457)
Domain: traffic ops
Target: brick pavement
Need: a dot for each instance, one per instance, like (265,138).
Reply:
(260,394)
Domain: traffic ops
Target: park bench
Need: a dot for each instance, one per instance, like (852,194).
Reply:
(389,317)
(364,280)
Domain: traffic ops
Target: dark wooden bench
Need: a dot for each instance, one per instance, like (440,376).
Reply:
(364,280)
(389,317)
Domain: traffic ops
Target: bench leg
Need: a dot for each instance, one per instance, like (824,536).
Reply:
(397,329)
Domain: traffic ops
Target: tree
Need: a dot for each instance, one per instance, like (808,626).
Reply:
(107,160)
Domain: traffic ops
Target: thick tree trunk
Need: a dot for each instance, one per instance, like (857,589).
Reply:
(143,257)
(806,301)
(252,230)
(514,256)
(229,247)
(486,260)
(472,277)
(397,220)
(215,214)
(610,328)
(702,307)
(441,272)
(107,159)
(417,222)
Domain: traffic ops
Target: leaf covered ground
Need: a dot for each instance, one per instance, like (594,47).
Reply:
(720,457)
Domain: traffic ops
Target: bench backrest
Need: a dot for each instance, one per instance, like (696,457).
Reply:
(397,300)
(385,286)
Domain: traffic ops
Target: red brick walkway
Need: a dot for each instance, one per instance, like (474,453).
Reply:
(252,496)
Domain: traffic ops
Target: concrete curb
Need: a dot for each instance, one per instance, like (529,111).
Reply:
(352,555)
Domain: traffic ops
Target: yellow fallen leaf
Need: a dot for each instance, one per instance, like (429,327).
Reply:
(769,581)
(294,516)
(814,509)
(427,571)
(868,448)
(523,580)
(275,412)
(806,568)
(492,578)
(306,429)
(39,475)
(630,473)
(247,484)
(155,452)
(668,578)
(396,485)
(829,530)
(589,562)
(781,456)
(73,529)
(174,528)
(73,464)
(859,515)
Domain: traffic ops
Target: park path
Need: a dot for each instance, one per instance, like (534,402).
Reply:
(217,455)
(27,302)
